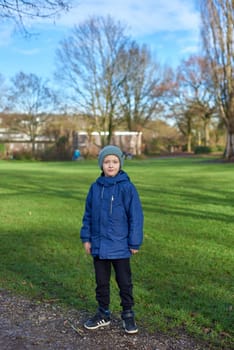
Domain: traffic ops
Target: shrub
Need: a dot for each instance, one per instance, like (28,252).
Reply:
(202,150)
(219,148)
(55,153)
(2,150)
(23,155)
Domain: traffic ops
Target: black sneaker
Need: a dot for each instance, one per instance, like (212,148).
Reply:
(99,320)
(129,324)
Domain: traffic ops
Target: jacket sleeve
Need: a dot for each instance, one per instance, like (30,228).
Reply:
(85,232)
(135,219)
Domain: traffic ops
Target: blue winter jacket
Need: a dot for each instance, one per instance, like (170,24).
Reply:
(113,218)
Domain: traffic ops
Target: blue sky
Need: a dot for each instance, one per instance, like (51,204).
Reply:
(169,28)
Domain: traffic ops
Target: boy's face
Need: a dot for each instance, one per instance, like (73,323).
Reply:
(111,165)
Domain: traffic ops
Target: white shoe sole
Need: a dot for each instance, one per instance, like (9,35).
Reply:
(100,324)
(134,331)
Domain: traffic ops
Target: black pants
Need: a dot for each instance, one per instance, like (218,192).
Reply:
(123,278)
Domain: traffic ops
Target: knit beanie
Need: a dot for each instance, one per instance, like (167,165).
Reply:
(110,150)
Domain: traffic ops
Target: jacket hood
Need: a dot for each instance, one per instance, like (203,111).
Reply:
(110,181)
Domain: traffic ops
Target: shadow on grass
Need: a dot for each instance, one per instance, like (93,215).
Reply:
(49,184)
(49,267)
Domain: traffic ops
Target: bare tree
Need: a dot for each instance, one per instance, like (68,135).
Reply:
(19,10)
(160,137)
(109,76)
(179,106)
(190,99)
(2,100)
(30,103)
(3,93)
(194,78)
(142,78)
(185,121)
(87,65)
(217,32)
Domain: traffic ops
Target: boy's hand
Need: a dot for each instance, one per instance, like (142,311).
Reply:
(133,251)
(87,247)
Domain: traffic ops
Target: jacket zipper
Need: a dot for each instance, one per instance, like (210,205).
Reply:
(102,192)
(112,200)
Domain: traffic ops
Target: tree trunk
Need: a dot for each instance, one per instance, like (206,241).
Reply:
(33,146)
(207,133)
(189,143)
(229,151)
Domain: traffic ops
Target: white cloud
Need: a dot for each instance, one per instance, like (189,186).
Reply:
(169,27)
(190,49)
(143,17)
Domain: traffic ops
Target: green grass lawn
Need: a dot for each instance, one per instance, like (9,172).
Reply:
(183,276)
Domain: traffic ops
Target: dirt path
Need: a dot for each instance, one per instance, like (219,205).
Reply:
(31,325)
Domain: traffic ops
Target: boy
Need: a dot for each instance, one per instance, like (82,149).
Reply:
(112,232)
